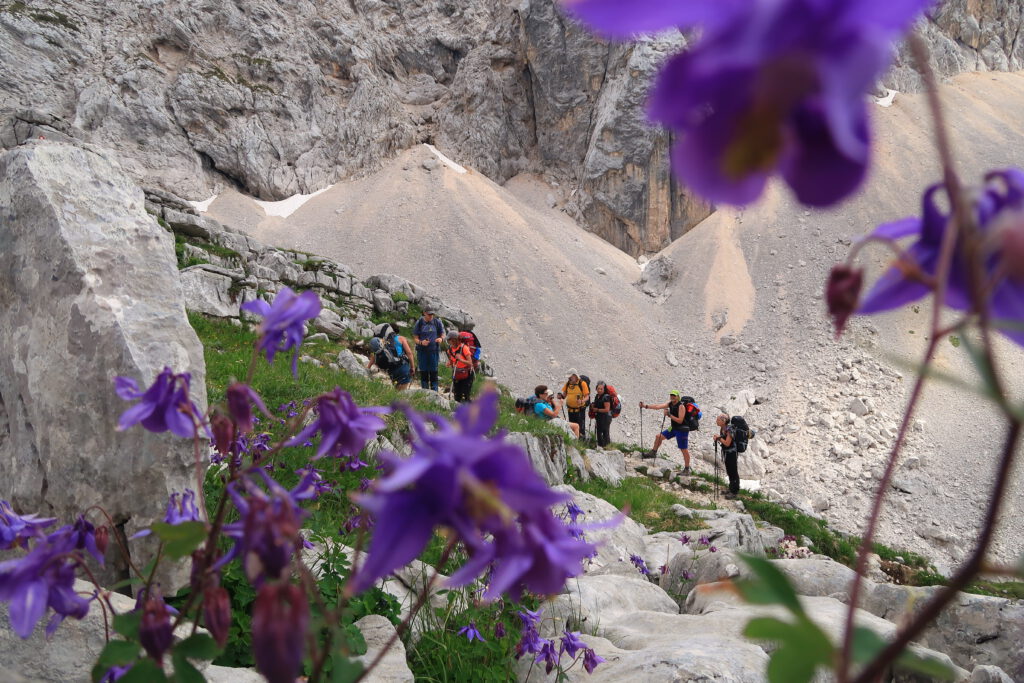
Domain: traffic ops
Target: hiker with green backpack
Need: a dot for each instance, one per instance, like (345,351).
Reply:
(684,416)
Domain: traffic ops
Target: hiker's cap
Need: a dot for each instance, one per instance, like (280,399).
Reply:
(572,371)
(375,344)
(674,392)
(428,311)
(453,335)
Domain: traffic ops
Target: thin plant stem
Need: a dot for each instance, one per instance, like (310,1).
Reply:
(944,267)
(120,543)
(967,571)
(407,622)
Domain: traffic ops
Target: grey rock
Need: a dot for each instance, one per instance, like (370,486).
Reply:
(546,454)
(382,302)
(377,632)
(90,291)
(615,543)
(329,323)
(657,276)
(740,403)
(732,530)
(607,597)
(986,673)
(682,511)
(819,577)
(209,292)
(317,338)
(350,364)
(858,407)
(607,465)
(671,359)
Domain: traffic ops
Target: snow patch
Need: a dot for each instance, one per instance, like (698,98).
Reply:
(445,160)
(286,207)
(890,97)
(203,206)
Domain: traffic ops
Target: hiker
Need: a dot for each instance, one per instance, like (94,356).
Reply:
(460,360)
(603,401)
(392,354)
(548,407)
(576,392)
(675,410)
(429,332)
(726,438)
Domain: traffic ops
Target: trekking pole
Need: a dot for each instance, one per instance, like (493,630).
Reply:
(641,427)
(716,470)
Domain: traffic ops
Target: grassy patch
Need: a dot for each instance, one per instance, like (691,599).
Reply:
(644,501)
(796,523)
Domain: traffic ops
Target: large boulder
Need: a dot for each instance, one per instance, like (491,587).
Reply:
(732,530)
(89,290)
(607,465)
(547,454)
(615,542)
(378,632)
(208,291)
(606,597)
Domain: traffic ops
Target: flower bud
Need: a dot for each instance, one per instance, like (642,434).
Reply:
(155,629)
(1009,231)
(280,618)
(102,537)
(223,434)
(842,292)
(217,613)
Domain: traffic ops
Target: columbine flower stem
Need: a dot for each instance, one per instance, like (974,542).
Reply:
(407,622)
(117,538)
(967,571)
(942,278)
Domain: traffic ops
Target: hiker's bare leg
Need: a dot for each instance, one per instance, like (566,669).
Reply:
(657,441)
(686,455)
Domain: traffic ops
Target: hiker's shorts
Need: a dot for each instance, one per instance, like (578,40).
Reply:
(682,438)
(401,374)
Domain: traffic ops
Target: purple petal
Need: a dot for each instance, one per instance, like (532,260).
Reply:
(126,388)
(892,291)
(28,607)
(905,227)
(622,19)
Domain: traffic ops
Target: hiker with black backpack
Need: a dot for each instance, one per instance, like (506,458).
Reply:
(726,438)
(460,360)
(391,353)
(576,392)
(606,406)
(429,332)
(684,417)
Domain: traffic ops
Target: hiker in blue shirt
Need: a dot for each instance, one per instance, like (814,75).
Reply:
(428,333)
(548,408)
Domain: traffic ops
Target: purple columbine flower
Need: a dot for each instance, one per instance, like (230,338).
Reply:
(44,579)
(164,406)
(241,398)
(499,630)
(704,540)
(640,565)
(16,530)
(771,86)
(155,629)
(574,511)
(999,212)
(471,632)
(482,488)
(571,644)
(684,539)
(529,618)
(343,426)
(713,549)
(591,659)
(280,618)
(548,655)
(284,322)
(183,510)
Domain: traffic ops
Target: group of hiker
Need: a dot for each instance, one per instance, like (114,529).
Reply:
(391,352)
(568,408)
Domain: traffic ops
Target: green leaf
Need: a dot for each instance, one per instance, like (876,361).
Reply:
(198,646)
(789,665)
(345,670)
(115,653)
(771,587)
(144,671)
(866,645)
(932,668)
(127,624)
(184,672)
(180,539)
(767,628)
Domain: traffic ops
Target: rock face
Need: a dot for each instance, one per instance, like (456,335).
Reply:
(88,291)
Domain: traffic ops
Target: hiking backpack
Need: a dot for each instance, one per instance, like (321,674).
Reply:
(616,403)
(585,380)
(389,353)
(527,404)
(741,433)
(469,338)
(692,414)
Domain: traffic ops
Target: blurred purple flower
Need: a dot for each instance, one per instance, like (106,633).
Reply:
(704,540)
(280,617)
(713,549)
(499,630)
(574,511)
(241,398)
(183,510)
(217,613)
(841,294)
(591,659)
(311,484)
(164,406)
(471,632)
(548,655)
(770,86)
(43,579)
(115,673)
(684,539)
(482,488)
(529,618)
(16,530)
(343,426)
(155,629)
(640,565)
(284,322)
(999,212)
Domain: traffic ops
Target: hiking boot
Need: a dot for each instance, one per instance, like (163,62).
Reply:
(649,454)
(730,496)
(687,471)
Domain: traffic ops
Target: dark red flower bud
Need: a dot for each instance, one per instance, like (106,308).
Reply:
(102,537)
(1010,235)
(155,629)
(241,399)
(842,294)
(223,433)
(280,618)
(217,613)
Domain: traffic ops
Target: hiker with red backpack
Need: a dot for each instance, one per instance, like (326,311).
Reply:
(460,360)
(606,405)
(684,415)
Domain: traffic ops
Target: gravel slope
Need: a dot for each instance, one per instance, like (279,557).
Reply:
(549,296)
